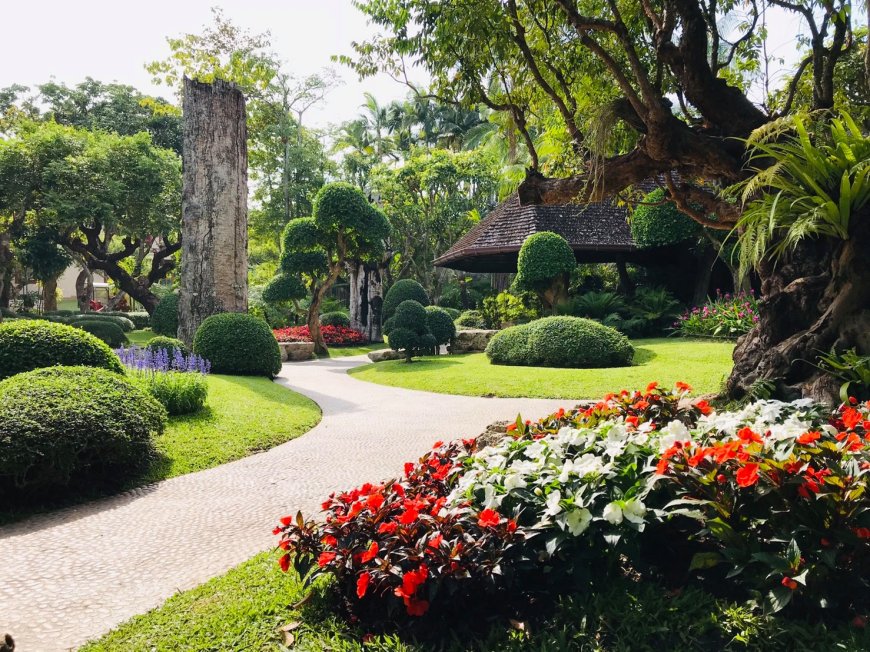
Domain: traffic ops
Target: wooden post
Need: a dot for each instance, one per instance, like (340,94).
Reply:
(214,205)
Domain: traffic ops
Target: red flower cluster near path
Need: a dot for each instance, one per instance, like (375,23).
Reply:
(332,335)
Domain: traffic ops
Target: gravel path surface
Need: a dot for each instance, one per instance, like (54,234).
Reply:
(72,575)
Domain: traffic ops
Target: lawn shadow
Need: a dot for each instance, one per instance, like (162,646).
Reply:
(643,356)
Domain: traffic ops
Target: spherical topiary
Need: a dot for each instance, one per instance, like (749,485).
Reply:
(74,425)
(108,331)
(300,233)
(341,205)
(164,319)
(27,344)
(543,257)
(654,224)
(123,323)
(335,319)
(407,327)
(412,315)
(470,319)
(403,290)
(283,287)
(561,342)
(440,324)
(404,339)
(168,344)
(238,343)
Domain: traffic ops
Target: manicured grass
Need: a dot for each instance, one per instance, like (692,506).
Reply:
(347,351)
(242,415)
(704,364)
(141,337)
(246,608)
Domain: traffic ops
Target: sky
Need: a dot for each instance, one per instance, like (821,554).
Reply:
(112,40)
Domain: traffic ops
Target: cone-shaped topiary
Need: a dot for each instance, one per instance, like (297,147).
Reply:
(238,343)
(30,344)
(403,290)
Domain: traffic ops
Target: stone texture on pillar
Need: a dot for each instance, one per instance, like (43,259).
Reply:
(214,205)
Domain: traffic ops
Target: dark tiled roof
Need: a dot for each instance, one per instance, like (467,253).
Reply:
(598,232)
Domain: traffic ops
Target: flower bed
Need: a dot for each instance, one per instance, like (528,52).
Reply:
(768,502)
(725,316)
(176,379)
(332,335)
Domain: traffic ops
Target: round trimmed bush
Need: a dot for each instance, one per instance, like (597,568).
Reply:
(164,319)
(661,225)
(168,344)
(411,314)
(106,330)
(544,257)
(440,324)
(74,425)
(283,287)
(408,328)
(335,319)
(404,339)
(123,323)
(561,342)
(470,319)
(238,343)
(30,344)
(403,290)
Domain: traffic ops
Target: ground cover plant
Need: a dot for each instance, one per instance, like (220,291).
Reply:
(766,504)
(726,315)
(702,363)
(31,344)
(332,335)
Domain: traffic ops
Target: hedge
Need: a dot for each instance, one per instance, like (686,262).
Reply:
(74,425)
(561,342)
(108,331)
(31,344)
(238,343)
(164,319)
(168,344)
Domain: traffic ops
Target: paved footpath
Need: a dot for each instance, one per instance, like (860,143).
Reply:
(72,575)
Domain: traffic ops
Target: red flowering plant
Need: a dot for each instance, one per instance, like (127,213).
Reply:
(780,492)
(332,335)
(396,550)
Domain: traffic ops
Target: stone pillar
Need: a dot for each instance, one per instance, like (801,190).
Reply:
(214,205)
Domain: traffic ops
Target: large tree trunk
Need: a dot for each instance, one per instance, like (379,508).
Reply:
(49,295)
(84,289)
(214,205)
(815,299)
(366,299)
(5,269)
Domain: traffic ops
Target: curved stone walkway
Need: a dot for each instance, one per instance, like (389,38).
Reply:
(72,575)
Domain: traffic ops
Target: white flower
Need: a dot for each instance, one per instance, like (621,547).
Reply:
(572,436)
(553,506)
(673,432)
(613,513)
(578,520)
(634,511)
(534,451)
(514,481)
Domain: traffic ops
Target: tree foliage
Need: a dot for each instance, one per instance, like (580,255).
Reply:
(544,264)
(657,222)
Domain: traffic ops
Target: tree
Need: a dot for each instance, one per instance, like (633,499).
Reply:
(544,266)
(109,199)
(39,251)
(672,77)
(345,226)
(214,207)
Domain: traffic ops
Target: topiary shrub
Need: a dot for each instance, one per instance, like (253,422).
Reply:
(168,344)
(453,312)
(27,344)
(74,425)
(108,331)
(655,224)
(544,264)
(440,325)
(561,342)
(121,322)
(238,343)
(403,290)
(335,319)
(164,320)
(408,326)
(140,319)
(470,319)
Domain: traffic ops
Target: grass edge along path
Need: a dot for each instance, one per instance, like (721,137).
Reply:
(246,609)
(704,364)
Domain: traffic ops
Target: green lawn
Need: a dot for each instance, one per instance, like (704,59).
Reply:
(140,337)
(346,351)
(704,364)
(246,608)
(242,415)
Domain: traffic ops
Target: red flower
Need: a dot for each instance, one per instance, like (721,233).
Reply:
(329,540)
(409,468)
(411,581)
(851,418)
(374,502)
(789,583)
(488,518)
(284,562)
(435,542)
(808,438)
(362,584)
(746,434)
(371,553)
(325,558)
(416,607)
(704,407)
(286,520)
(388,528)
(437,444)
(632,421)
(748,475)
(721,479)
(683,387)
(651,386)
(409,516)
(862,532)
(640,405)
(277,530)
(511,526)
(662,466)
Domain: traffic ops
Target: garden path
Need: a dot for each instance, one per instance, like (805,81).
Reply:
(71,575)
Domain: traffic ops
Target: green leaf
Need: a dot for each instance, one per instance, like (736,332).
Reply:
(702,560)
(777,599)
